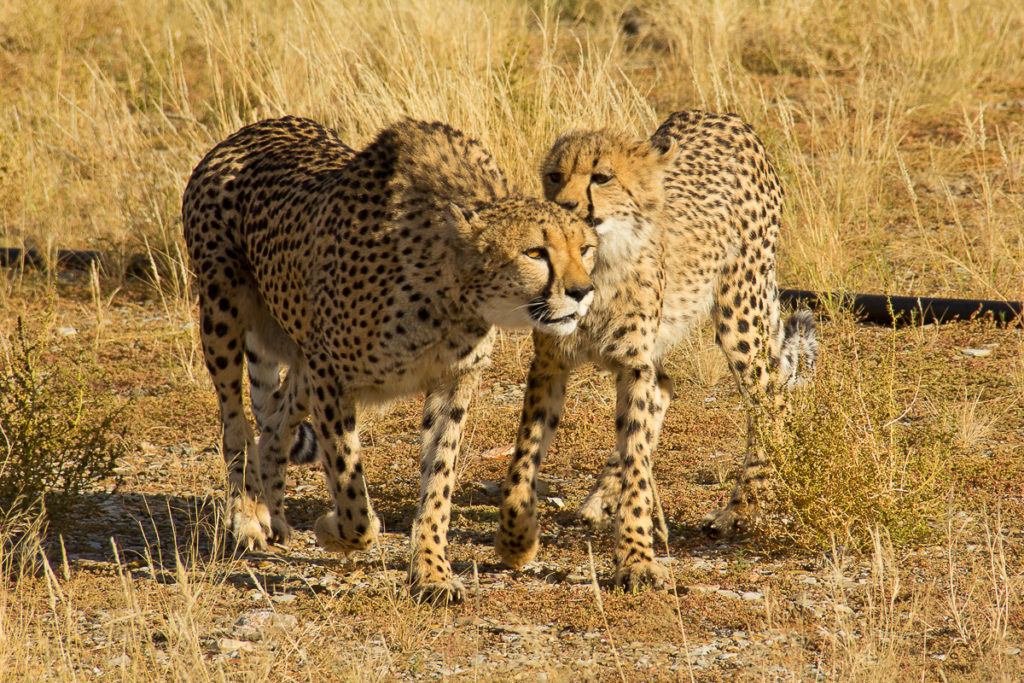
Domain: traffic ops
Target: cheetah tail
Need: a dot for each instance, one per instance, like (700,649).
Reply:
(799,349)
(305,449)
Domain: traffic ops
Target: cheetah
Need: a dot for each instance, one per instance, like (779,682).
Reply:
(687,225)
(367,276)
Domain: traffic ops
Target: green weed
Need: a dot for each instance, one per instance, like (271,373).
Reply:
(56,436)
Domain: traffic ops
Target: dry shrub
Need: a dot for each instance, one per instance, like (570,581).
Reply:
(57,437)
(857,451)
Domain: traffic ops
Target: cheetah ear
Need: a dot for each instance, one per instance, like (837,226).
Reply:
(460,220)
(661,150)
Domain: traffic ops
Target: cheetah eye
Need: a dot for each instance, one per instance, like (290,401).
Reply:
(555,178)
(600,179)
(537,253)
(586,249)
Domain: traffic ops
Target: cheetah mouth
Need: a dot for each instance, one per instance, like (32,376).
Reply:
(541,313)
(559,321)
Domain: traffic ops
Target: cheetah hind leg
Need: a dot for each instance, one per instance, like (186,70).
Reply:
(602,504)
(735,519)
(798,355)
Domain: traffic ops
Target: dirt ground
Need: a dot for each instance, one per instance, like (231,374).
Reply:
(141,585)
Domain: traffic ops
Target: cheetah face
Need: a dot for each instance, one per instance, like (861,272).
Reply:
(612,183)
(530,263)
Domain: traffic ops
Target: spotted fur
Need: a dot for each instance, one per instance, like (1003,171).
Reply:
(687,226)
(368,275)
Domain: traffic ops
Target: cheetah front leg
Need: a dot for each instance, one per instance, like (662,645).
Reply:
(444,415)
(641,402)
(602,503)
(516,541)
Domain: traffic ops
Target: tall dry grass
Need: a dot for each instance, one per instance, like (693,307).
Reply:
(899,118)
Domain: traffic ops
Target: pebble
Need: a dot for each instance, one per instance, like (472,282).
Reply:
(118,662)
(67,331)
(232,645)
(808,606)
(753,595)
(703,651)
(261,619)
(976,353)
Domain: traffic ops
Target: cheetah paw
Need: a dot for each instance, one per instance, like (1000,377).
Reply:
(638,575)
(329,534)
(516,549)
(250,523)
(438,592)
(732,520)
(599,509)
(280,530)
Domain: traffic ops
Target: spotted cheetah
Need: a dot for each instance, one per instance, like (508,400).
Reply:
(687,225)
(369,275)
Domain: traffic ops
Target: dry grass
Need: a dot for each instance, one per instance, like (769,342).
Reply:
(897,129)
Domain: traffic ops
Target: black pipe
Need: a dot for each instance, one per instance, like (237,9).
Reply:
(879,309)
(882,309)
(72,259)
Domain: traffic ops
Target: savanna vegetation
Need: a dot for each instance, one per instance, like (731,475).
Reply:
(892,543)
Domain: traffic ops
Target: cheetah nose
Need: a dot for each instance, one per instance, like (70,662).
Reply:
(571,206)
(579,291)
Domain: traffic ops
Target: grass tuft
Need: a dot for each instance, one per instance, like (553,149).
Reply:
(56,437)
(858,451)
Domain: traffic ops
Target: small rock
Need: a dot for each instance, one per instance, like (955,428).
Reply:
(555,501)
(283,597)
(118,662)
(491,488)
(1011,651)
(752,595)
(807,606)
(232,645)
(725,593)
(543,487)
(976,353)
(261,619)
(67,331)
(703,651)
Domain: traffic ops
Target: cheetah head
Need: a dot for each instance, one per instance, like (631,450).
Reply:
(525,263)
(612,182)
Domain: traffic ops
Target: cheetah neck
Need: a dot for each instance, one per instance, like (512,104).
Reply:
(620,242)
